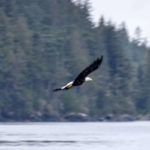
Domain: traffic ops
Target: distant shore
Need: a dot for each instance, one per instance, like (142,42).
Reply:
(77,117)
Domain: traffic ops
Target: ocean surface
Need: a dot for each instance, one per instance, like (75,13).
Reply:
(75,136)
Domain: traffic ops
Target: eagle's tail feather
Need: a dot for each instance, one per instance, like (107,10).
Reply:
(58,89)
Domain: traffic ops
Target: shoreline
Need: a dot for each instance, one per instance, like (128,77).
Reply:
(79,117)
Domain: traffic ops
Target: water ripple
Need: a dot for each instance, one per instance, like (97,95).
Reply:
(35,142)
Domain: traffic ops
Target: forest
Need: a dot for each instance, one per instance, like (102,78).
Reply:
(45,43)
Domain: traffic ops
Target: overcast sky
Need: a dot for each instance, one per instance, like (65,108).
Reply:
(133,12)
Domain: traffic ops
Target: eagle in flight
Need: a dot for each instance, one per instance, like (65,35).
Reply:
(82,77)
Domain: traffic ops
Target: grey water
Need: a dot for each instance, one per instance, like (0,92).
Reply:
(75,136)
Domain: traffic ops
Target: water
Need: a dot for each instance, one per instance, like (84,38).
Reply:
(75,136)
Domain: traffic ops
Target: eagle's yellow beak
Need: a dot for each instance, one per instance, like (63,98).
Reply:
(90,79)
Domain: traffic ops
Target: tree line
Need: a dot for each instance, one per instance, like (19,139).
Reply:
(45,44)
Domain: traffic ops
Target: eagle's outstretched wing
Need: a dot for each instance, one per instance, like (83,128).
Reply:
(81,77)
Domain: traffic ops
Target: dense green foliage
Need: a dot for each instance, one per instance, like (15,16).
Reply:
(45,43)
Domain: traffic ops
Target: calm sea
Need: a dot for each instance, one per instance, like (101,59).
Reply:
(75,136)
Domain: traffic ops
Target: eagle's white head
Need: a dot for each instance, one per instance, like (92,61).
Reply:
(88,79)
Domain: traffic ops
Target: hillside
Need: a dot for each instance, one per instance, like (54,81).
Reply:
(45,44)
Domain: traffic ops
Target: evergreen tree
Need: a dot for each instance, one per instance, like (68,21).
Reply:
(143,95)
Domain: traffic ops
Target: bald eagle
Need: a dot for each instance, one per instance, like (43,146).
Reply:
(82,77)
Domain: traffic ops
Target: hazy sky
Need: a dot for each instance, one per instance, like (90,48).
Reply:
(133,12)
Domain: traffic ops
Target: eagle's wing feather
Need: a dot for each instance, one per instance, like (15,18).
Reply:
(80,78)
